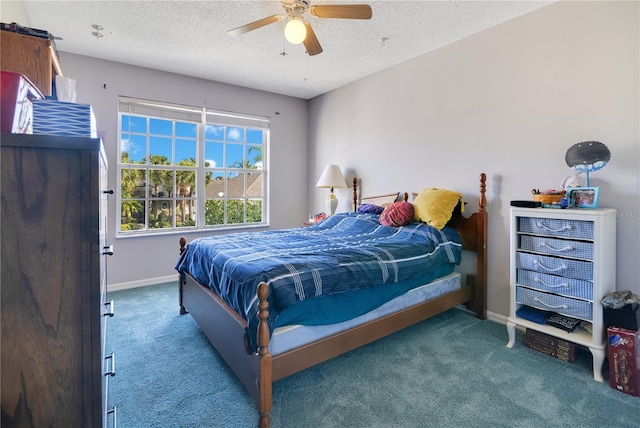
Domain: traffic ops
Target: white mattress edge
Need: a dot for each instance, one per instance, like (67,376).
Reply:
(289,337)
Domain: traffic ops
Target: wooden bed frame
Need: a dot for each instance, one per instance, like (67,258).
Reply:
(225,329)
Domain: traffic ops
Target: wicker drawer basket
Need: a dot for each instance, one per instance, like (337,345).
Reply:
(555,284)
(581,309)
(557,247)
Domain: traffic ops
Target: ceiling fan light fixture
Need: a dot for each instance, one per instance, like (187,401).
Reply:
(295,31)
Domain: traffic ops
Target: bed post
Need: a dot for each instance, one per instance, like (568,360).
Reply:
(265,372)
(355,194)
(481,261)
(183,247)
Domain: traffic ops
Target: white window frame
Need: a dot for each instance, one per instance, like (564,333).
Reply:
(204,118)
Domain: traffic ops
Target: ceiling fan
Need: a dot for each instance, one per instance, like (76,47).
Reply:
(298,29)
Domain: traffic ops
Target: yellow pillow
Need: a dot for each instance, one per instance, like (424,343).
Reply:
(435,206)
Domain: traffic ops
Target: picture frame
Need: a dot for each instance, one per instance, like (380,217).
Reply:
(583,197)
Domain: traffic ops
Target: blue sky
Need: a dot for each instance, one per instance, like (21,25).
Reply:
(236,139)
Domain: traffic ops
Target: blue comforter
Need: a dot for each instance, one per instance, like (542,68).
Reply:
(345,252)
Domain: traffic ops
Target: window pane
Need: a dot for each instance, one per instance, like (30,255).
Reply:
(254,185)
(214,212)
(132,214)
(133,148)
(185,212)
(213,155)
(235,134)
(254,156)
(160,183)
(124,122)
(234,156)
(186,152)
(160,150)
(160,214)
(254,136)
(186,184)
(254,211)
(186,129)
(214,132)
(134,124)
(132,183)
(161,126)
(125,147)
(235,185)
(216,186)
(235,211)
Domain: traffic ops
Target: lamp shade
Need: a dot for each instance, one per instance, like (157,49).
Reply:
(332,178)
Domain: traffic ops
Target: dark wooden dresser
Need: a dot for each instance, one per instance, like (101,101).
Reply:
(53,308)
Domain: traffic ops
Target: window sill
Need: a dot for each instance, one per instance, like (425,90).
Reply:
(174,232)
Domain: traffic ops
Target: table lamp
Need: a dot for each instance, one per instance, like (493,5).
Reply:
(332,178)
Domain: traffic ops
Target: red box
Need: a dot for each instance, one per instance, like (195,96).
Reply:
(623,360)
(17,92)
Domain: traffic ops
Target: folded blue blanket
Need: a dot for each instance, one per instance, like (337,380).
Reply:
(532,314)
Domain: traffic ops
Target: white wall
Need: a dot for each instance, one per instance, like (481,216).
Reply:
(142,261)
(13,11)
(509,102)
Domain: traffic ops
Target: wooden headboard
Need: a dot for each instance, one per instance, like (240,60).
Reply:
(377,199)
(473,233)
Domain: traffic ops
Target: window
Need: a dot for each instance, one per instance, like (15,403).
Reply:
(186,167)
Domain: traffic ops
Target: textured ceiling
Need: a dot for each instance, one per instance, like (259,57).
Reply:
(190,37)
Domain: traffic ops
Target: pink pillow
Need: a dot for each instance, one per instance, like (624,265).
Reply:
(397,214)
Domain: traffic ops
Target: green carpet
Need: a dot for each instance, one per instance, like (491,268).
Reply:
(452,370)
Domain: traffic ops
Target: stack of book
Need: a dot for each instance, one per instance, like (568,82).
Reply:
(550,345)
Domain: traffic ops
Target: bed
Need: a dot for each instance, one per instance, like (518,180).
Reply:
(258,325)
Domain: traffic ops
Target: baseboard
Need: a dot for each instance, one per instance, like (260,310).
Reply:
(502,319)
(491,316)
(143,282)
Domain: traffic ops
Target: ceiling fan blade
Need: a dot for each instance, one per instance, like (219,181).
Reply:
(311,42)
(349,11)
(255,25)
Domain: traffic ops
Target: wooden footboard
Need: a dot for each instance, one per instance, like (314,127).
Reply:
(309,355)
(226,330)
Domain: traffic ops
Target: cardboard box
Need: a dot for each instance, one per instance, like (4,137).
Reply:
(550,345)
(54,117)
(623,360)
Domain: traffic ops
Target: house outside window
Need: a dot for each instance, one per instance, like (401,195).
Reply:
(183,168)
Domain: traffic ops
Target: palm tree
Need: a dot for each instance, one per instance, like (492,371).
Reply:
(129,180)
(258,157)
(185,183)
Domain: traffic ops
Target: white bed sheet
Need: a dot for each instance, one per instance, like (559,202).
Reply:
(289,337)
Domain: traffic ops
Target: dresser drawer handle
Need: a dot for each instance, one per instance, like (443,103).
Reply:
(563,267)
(114,412)
(535,299)
(544,226)
(564,284)
(110,312)
(111,357)
(557,250)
